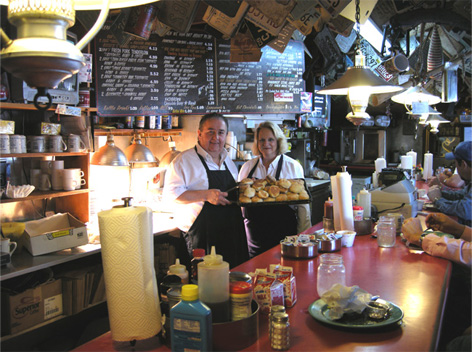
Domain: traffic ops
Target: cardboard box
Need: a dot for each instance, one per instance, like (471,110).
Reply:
(54,233)
(31,307)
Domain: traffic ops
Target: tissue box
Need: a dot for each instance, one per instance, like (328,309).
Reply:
(51,129)
(31,307)
(54,233)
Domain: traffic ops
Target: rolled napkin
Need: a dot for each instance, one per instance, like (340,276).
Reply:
(344,299)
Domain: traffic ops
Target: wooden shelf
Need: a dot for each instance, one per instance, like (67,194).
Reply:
(40,155)
(130,132)
(45,194)
(20,106)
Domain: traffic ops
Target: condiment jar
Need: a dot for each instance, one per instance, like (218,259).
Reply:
(364,200)
(180,270)
(198,254)
(386,231)
(273,310)
(331,271)
(280,337)
(241,298)
(213,286)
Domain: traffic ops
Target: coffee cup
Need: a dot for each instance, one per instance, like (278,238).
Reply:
(56,144)
(348,238)
(396,64)
(23,143)
(7,246)
(57,179)
(15,144)
(35,177)
(4,144)
(75,143)
(45,182)
(398,220)
(57,164)
(46,166)
(69,183)
(36,144)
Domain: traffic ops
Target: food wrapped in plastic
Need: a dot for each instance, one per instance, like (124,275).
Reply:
(345,299)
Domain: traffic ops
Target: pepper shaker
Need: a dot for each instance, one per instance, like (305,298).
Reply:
(280,337)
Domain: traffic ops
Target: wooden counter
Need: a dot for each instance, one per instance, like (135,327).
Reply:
(417,283)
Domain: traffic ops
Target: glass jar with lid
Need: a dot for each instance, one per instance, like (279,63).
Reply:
(331,271)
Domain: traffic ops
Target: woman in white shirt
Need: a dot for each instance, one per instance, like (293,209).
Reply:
(268,224)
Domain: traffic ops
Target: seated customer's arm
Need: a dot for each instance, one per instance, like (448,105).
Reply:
(457,250)
(461,208)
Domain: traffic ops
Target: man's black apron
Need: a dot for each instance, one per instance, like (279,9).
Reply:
(219,225)
(267,225)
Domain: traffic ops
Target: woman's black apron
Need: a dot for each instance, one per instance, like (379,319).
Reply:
(219,225)
(267,225)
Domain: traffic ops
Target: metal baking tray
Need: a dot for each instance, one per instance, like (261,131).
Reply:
(288,202)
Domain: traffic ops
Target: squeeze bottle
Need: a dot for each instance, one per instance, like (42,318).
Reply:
(179,270)
(198,254)
(364,200)
(213,286)
(191,323)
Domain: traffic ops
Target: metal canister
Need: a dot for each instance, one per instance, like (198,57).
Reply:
(151,122)
(158,122)
(166,122)
(139,122)
(129,122)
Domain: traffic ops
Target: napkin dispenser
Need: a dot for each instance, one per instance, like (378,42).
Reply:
(399,197)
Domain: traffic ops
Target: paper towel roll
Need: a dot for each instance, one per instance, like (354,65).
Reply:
(341,185)
(413,155)
(128,266)
(428,166)
(380,164)
(406,162)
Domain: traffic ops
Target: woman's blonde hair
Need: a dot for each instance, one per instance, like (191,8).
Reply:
(282,146)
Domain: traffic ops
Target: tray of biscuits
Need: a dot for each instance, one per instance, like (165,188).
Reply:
(269,191)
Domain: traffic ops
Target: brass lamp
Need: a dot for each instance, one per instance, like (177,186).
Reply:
(415,94)
(41,56)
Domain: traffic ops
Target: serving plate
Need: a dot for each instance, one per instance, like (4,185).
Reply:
(319,310)
(288,202)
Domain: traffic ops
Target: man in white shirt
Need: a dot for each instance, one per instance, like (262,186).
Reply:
(197,180)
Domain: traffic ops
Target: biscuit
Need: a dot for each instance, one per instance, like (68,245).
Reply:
(256,199)
(293,196)
(284,183)
(246,181)
(259,184)
(269,199)
(281,198)
(304,195)
(249,192)
(243,199)
(274,191)
(296,187)
(271,180)
(262,194)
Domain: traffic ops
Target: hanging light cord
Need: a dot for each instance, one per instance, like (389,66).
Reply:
(358,27)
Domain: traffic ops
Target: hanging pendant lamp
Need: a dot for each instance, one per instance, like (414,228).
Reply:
(109,155)
(358,83)
(140,156)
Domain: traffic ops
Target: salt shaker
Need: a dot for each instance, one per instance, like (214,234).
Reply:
(280,337)
(273,310)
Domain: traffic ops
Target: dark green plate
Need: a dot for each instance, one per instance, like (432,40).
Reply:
(319,310)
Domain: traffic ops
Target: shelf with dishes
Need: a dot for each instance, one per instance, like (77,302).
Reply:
(144,132)
(45,194)
(21,106)
(40,155)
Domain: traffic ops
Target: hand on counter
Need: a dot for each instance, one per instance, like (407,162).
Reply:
(412,230)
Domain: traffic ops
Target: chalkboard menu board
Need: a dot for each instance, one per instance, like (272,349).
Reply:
(190,73)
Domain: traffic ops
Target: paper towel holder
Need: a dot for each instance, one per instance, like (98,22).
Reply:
(127,201)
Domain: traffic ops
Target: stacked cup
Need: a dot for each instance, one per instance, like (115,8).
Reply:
(57,168)
(72,179)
